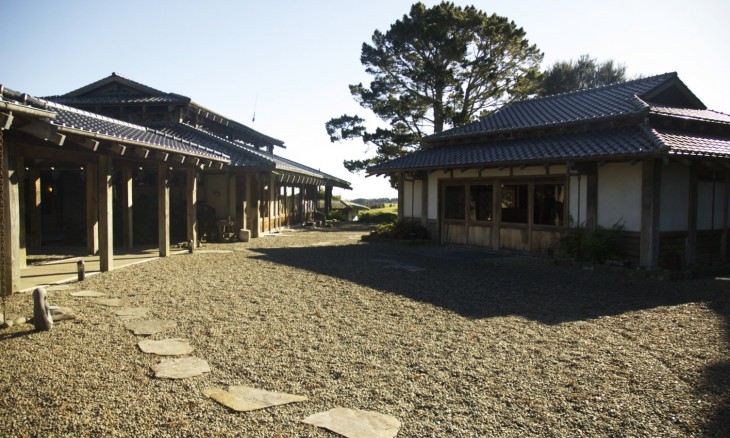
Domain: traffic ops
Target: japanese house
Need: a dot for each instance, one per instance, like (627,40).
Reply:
(646,155)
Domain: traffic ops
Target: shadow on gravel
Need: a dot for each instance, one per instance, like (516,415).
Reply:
(478,285)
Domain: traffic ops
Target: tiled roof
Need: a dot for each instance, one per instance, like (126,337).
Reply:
(77,119)
(693,114)
(168,98)
(585,105)
(93,125)
(246,156)
(624,141)
(684,143)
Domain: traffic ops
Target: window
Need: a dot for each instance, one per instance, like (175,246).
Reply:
(549,204)
(514,203)
(454,207)
(480,202)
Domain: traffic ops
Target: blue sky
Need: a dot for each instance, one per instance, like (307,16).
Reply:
(292,61)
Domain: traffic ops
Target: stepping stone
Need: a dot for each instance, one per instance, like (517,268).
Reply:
(132,312)
(113,302)
(244,398)
(166,347)
(61,313)
(180,368)
(87,293)
(353,423)
(149,326)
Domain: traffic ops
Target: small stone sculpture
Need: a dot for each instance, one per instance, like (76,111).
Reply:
(42,319)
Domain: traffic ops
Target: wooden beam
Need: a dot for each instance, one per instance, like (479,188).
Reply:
(6,119)
(106,226)
(44,131)
(11,220)
(118,148)
(141,152)
(92,209)
(163,209)
(20,170)
(649,240)
(177,158)
(35,207)
(127,207)
(162,155)
(85,142)
(191,178)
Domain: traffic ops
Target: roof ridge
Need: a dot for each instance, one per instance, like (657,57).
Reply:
(98,116)
(667,75)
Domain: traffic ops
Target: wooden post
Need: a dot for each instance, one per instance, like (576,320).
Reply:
(691,246)
(401,194)
(20,170)
(92,208)
(127,208)
(424,200)
(12,220)
(163,209)
(649,243)
(496,215)
(592,197)
(231,200)
(726,195)
(106,226)
(192,204)
(252,197)
(35,208)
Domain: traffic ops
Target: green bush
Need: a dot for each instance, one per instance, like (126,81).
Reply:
(597,246)
(377,218)
(337,215)
(404,229)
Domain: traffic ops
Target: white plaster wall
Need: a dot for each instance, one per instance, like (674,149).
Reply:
(414,208)
(216,191)
(619,195)
(407,197)
(673,197)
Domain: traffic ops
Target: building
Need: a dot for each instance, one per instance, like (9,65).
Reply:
(645,154)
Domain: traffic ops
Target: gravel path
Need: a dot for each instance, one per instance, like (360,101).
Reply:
(451,342)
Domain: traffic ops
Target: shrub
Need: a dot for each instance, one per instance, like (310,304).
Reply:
(597,246)
(337,215)
(377,218)
(404,229)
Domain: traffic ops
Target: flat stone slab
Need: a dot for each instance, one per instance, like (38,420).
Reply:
(244,398)
(166,347)
(353,423)
(180,368)
(87,294)
(148,327)
(132,312)
(113,302)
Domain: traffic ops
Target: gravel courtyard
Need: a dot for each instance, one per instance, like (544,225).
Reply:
(450,341)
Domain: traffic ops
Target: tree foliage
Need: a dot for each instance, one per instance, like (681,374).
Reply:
(433,69)
(585,72)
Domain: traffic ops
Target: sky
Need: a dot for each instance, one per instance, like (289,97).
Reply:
(290,61)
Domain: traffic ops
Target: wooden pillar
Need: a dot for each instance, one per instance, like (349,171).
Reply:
(92,208)
(191,184)
(163,209)
(691,246)
(327,198)
(649,241)
(726,195)
(12,220)
(231,200)
(106,226)
(20,171)
(34,209)
(285,207)
(496,214)
(127,207)
(592,196)
(252,197)
(424,200)
(401,194)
